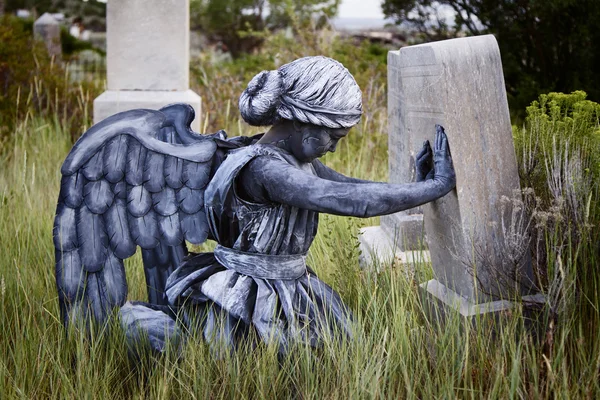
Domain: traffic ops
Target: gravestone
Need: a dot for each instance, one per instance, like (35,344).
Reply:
(400,236)
(459,84)
(47,29)
(148,58)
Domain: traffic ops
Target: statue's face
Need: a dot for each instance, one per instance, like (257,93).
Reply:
(310,142)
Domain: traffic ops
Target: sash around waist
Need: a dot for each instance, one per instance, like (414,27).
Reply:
(262,266)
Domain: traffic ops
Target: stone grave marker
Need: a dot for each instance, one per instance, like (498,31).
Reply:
(400,236)
(148,49)
(459,84)
(47,29)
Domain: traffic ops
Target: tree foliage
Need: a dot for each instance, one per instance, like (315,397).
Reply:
(91,12)
(241,24)
(32,83)
(546,45)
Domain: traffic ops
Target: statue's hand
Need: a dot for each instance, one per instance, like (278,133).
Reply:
(424,162)
(442,159)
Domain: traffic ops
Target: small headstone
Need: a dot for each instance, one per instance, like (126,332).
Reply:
(399,234)
(148,56)
(459,84)
(47,29)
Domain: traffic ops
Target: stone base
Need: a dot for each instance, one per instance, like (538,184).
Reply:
(441,303)
(405,229)
(376,247)
(113,101)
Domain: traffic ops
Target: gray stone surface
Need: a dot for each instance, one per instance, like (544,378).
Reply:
(379,250)
(401,162)
(394,241)
(454,301)
(459,84)
(47,29)
(147,57)
(112,102)
(404,230)
(442,304)
(148,44)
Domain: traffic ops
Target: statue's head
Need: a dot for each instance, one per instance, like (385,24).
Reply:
(316,97)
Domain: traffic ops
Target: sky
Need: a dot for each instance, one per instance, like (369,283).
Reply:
(360,9)
(354,9)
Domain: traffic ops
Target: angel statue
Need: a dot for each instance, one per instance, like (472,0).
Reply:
(144,178)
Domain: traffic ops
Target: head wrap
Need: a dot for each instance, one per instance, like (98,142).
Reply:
(316,90)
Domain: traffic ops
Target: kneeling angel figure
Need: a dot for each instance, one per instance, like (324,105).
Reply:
(144,178)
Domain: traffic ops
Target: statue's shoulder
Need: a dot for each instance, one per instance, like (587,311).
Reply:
(245,154)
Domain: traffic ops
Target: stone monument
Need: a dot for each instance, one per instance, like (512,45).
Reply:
(47,29)
(400,236)
(459,84)
(148,58)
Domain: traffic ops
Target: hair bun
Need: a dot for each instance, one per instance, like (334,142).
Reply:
(258,104)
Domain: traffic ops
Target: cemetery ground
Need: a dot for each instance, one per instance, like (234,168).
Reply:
(396,353)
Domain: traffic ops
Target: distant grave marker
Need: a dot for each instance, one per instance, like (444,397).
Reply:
(47,29)
(148,56)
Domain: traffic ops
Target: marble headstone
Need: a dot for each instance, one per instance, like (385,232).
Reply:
(459,84)
(148,55)
(400,236)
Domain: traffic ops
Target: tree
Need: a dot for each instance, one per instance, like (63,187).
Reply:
(546,45)
(239,24)
(91,12)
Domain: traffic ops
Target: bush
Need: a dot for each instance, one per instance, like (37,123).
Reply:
(558,154)
(70,45)
(562,127)
(33,83)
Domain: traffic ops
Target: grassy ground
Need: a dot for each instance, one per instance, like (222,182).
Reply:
(396,354)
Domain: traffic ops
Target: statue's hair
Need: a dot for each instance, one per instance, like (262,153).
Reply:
(315,90)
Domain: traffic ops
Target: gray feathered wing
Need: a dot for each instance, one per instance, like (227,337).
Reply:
(134,179)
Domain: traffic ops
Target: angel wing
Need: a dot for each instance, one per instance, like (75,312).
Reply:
(135,179)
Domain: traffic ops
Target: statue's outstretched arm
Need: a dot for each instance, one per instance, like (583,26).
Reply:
(277,181)
(325,172)
(423,164)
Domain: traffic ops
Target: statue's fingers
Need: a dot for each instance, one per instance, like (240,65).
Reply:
(426,153)
(445,144)
(438,141)
(423,151)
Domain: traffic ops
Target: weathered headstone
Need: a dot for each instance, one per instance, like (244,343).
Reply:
(148,58)
(459,84)
(400,236)
(47,29)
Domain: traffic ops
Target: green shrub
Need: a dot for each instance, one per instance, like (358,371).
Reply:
(31,82)
(70,45)
(562,127)
(558,156)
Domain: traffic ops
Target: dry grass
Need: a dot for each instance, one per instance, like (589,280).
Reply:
(396,353)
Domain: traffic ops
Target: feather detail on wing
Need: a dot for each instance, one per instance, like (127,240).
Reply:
(135,179)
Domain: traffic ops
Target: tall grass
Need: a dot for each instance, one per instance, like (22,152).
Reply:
(34,84)
(396,353)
